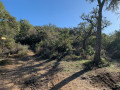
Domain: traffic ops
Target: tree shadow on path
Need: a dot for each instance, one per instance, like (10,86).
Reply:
(54,68)
(67,80)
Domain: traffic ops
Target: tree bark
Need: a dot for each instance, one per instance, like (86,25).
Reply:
(97,58)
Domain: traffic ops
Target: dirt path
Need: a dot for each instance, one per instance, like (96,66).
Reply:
(33,73)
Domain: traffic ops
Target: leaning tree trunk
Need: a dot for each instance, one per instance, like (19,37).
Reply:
(97,58)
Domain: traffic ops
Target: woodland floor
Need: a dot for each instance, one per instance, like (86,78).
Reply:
(33,73)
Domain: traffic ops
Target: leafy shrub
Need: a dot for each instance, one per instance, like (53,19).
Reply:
(23,52)
(116,54)
(63,46)
(46,49)
(18,49)
(105,63)
(90,57)
(9,43)
(88,65)
(103,53)
(10,47)
(77,43)
(77,51)
(53,48)
(45,53)
(91,64)
(90,51)
(85,54)
(72,57)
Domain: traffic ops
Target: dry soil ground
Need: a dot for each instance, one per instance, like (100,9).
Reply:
(34,73)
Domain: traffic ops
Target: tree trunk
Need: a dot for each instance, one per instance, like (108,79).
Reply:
(84,44)
(97,58)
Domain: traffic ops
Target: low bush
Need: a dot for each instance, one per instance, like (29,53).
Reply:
(91,64)
(18,49)
(23,51)
(105,63)
(116,54)
(45,49)
(90,51)
(90,57)
(72,57)
(52,49)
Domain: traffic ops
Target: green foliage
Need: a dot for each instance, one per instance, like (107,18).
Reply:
(45,48)
(85,54)
(114,46)
(105,41)
(91,64)
(56,43)
(116,54)
(105,63)
(77,43)
(88,65)
(23,52)
(72,57)
(110,4)
(90,51)
(23,35)
(1,6)
(8,28)
(64,42)
(50,41)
